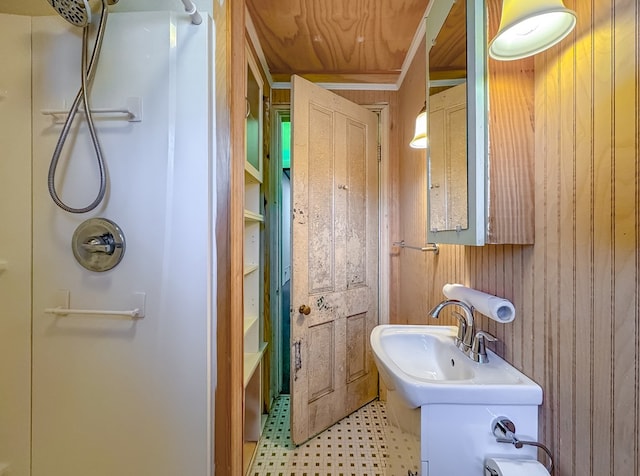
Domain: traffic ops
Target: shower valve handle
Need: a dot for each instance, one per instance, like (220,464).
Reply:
(101,244)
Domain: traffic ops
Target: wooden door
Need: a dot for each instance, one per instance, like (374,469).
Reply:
(334,258)
(448,187)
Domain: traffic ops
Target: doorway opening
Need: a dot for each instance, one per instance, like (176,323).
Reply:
(285,252)
(280,249)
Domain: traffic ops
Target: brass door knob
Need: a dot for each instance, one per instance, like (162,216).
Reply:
(304,309)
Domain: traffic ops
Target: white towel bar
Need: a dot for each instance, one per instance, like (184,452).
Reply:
(58,311)
(132,111)
(62,309)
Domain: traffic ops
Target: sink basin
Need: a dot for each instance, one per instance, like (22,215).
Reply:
(424,366)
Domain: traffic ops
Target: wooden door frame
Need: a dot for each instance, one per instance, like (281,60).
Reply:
(274,227)
(230,78)
(384,225)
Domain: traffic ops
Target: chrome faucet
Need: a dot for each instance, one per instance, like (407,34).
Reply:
(466,329)
(470,342)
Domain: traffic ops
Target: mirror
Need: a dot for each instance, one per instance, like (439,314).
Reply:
(456,101)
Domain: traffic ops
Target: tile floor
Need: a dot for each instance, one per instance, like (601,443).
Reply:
(355,446)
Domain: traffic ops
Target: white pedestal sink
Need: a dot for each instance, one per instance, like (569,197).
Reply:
(442,405)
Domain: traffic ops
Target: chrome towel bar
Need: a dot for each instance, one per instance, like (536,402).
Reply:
(430,246)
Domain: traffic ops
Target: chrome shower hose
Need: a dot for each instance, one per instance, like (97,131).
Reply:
(87,74)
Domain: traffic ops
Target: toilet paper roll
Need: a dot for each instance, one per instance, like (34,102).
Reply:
(498,309)
(514,467)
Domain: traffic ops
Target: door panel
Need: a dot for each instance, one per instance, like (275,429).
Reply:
(335,257)
(322,370)
(321,202)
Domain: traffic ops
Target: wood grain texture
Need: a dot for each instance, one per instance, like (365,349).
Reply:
(389,98)
(449,52)
(310,36)
(576,290)
(230,77)
(511,145)
(382,77)
(266,246)
(334,178)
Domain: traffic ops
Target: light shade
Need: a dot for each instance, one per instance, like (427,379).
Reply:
(419,140)
(528,27)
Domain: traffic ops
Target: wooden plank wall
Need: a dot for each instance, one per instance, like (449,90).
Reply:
(577,330)
(511,101)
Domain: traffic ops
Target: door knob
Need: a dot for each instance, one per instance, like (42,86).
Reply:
(304,309)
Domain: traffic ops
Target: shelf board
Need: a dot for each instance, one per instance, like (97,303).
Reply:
(251,216)
(251,173)
(250,268)
(248,322)
(248,454)
(251,361)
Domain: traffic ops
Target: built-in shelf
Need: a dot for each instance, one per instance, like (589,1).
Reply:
(252,361)
(251,216)
(253,286)
(254,175)
(249,322)
(251,334)
(250,268)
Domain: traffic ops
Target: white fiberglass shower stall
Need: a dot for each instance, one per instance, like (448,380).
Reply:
(96,394)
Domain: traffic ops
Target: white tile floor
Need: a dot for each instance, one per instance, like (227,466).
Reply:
(355,446)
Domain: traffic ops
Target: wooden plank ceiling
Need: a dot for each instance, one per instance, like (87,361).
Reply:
(342,41)
(448,55)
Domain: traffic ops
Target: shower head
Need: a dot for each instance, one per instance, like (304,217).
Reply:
(76,12)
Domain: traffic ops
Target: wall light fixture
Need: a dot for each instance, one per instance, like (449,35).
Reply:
(419,140)
(528,27)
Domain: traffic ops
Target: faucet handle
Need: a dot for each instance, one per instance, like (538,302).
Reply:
(479,349)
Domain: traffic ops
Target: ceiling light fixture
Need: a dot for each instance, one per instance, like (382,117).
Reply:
(419,140)
(529,27)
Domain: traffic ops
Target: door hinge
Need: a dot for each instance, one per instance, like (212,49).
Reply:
(379,152)
(297,355)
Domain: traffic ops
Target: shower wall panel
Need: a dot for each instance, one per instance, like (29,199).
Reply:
(117,396)
(15,242)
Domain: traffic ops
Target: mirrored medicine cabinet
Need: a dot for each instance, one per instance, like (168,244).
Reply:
(456,101)
(480,130)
